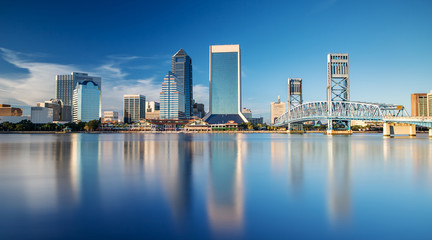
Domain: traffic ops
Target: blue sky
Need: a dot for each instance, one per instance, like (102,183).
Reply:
(129,44)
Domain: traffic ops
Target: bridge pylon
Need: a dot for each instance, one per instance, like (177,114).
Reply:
(295,99)
(337,89)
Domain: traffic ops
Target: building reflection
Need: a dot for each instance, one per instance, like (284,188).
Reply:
(339,180)
(422,165)
(85,161)
(167,160)
(179,175)
(225,194)
(295,162)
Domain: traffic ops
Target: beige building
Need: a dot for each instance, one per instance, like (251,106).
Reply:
(419,104)
(276,110)
(153,115)
(7,110)
(429,104)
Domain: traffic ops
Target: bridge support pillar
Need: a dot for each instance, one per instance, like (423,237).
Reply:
(412,130)
(430,132)
(386,130)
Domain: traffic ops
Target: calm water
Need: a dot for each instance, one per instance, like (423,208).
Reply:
(248,186)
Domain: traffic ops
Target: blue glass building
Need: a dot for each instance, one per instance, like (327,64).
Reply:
(172,98)
(86,102)
(225,85)
(181,66)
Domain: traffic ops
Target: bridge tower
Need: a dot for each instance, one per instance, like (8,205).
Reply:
(337,86)
(295,98)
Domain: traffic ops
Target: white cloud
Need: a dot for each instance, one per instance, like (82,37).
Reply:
(37,85)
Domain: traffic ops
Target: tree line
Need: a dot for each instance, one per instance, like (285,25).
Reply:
(27,125)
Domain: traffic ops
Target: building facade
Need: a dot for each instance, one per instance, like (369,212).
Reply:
(7,110)
(198,110)
(133,108)
(110,116)
(66,84)
(86,104)
(429,104)
(41,115)
(152,106)
(419,104)
(247,113)
(225,85)
(172,98)
(277,109)
(181,67)
(61,112)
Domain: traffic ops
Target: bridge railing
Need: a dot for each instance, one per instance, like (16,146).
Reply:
(339,110)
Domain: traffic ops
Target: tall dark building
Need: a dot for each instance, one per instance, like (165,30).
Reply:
(181,66)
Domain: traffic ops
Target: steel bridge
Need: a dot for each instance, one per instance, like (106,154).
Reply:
(347,111)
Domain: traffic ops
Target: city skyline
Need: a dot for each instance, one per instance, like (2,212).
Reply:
(386,49)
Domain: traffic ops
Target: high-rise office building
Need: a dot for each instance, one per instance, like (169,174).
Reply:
(276,110)
(419,105)
(225,85)
(172,98)
(66,85)
(86,104)
(133,108)
(429,104)
(181,66)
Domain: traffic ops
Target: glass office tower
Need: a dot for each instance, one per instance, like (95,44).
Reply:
(181,66)
(172,98)
(225,85)
(67,83)
(133,108)
(86,102)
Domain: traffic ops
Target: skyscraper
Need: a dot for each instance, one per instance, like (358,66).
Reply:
(172,98)
(86,104)
(225,85)
(181,66)
(67,83)
(133,108)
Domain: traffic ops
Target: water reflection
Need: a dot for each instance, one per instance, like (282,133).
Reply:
(225,195)
(339,180)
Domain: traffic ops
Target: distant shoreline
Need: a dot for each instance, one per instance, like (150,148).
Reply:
(173,132)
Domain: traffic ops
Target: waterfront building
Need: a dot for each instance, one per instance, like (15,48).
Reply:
(152,106)
(153,115)
(429,104)
(41,115)
(66,84)
(172,98)
(225,85)
(198,110)
(110,116)
(181,67)
(133,108)
(419,104)
(7,110)
(277,109)
(61,113)
(86,104)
